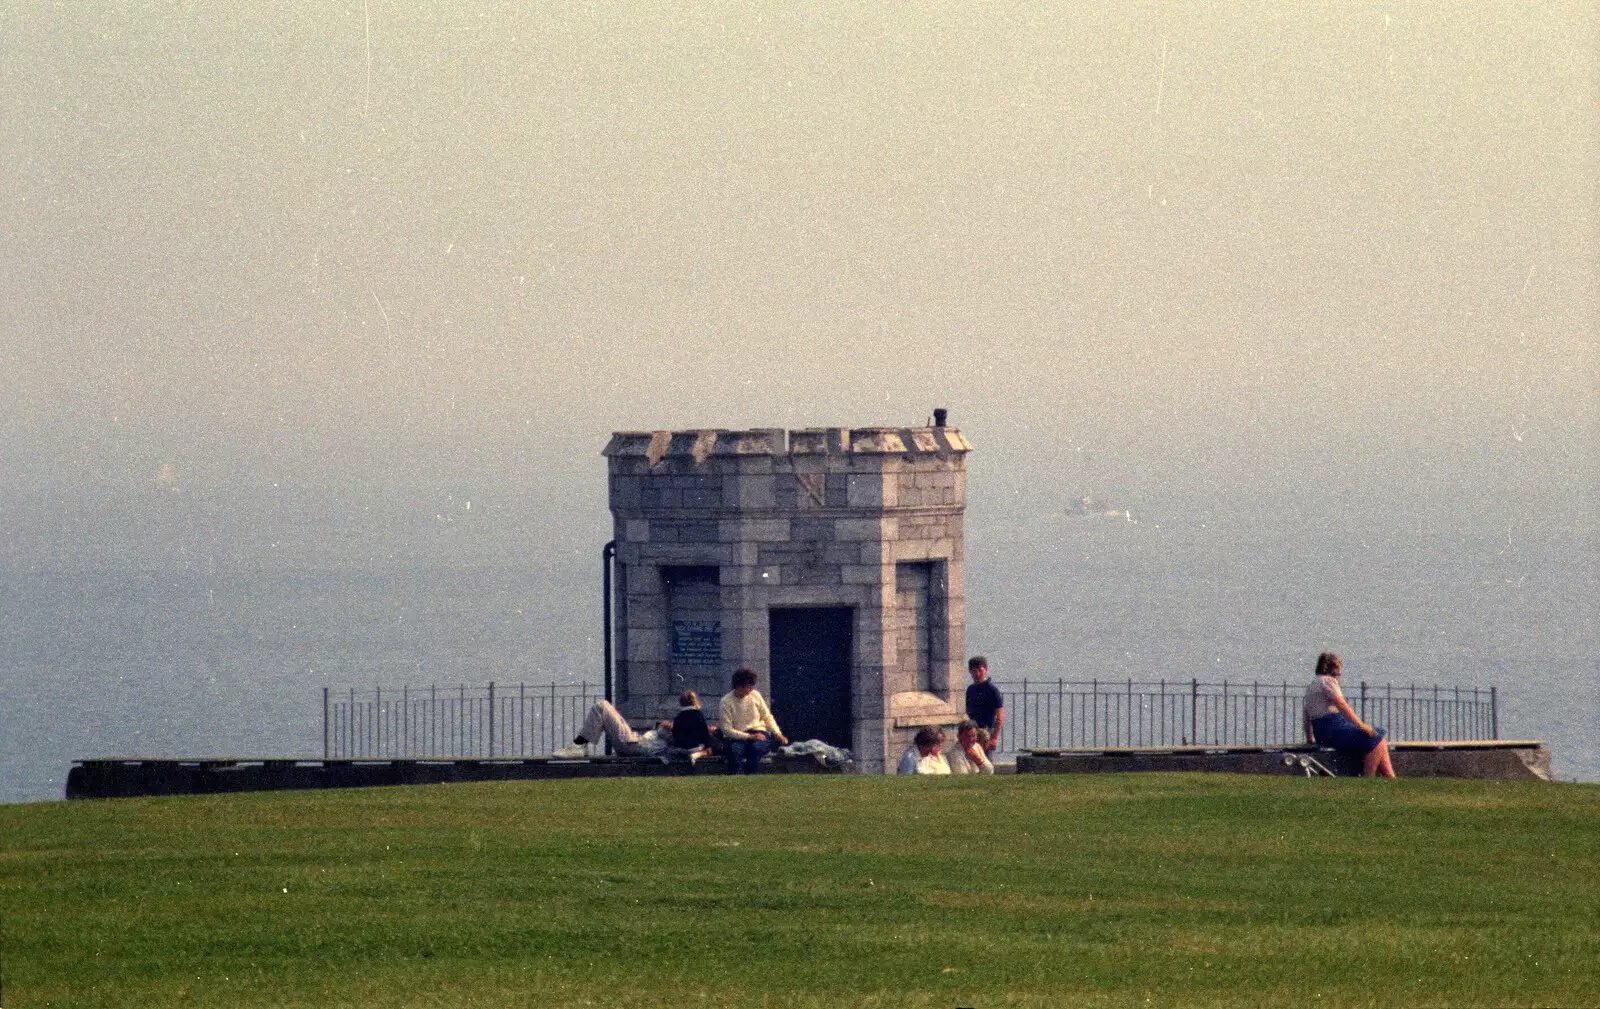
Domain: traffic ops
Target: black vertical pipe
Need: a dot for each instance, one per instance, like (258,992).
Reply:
(608,557)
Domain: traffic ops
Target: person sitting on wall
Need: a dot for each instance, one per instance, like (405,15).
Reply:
(1330,721)
(968,756)
(691,736)
(923,756)
(985,705)
(747,724)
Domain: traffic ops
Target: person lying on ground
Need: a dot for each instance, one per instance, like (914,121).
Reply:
(604,721)
(923,756)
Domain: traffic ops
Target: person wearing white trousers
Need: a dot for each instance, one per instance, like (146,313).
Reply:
(604,721)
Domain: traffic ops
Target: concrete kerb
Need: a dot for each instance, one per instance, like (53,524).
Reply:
(1481,759)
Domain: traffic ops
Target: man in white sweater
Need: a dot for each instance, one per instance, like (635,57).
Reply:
(747,724)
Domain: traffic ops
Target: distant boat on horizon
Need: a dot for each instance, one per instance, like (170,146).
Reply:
(1089,506)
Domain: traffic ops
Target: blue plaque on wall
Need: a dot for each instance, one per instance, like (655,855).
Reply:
(697,642)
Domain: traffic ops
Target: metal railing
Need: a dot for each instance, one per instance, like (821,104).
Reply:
(526,720)
(1043,714)
(520,720)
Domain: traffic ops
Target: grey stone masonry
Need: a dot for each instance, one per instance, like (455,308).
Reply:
(715,529)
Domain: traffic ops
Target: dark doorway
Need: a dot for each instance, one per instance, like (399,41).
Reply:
(810,653)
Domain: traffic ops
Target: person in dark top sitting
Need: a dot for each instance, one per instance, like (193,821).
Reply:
(985,706)
(691,736)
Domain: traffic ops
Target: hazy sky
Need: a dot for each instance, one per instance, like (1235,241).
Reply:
(309,265)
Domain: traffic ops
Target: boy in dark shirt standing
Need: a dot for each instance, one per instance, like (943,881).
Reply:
(985,706)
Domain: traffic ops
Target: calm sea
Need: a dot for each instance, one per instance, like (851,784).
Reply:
(194,662)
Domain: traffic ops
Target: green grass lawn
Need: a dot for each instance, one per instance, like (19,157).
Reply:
(801,890)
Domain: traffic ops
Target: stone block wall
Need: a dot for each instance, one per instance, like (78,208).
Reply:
(821,517)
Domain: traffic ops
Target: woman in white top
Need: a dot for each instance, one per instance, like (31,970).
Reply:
(1330,721)
(924,755)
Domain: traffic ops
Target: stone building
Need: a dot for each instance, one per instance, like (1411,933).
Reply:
(828,560)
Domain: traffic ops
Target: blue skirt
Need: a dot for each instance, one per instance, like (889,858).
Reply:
(1342,734)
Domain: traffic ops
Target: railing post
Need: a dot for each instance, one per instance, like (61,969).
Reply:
(1060,710)
(1221,737)
(1127,717)
(1363,700)
(1194,712)
(325,723)
(1413,711)
(491,719)
(1094,712)
(1161,731)
(1289,735)
(1494,713)
(1026,707)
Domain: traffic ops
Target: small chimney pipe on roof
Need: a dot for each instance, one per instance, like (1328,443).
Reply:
(939,415)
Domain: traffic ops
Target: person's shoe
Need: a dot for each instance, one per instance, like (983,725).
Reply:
(573,752)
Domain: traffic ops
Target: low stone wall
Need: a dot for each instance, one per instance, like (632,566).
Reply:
(126,778)
(1498,759)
